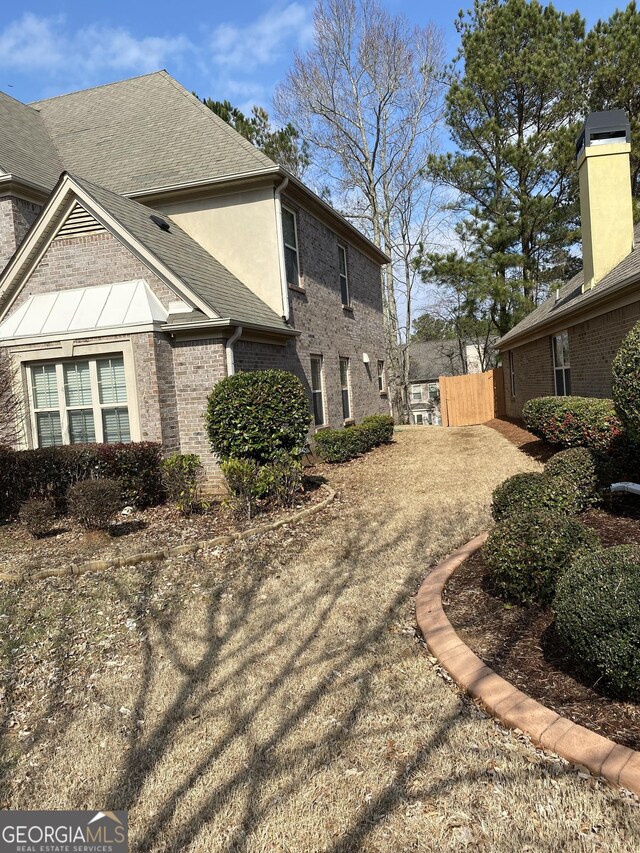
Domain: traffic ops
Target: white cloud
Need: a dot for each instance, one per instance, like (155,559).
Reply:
(262,41)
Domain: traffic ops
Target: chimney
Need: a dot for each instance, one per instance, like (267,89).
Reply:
(602,154)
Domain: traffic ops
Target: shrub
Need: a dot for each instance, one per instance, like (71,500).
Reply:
(625,370)
(573,421)
(246,485)
(525,554)
(255,415)
(380,427)
(597,607)
(182,474)
(578,467)
(340,445)
(137,467)
(95,502)
(526,493)
(37,516)
(282,478)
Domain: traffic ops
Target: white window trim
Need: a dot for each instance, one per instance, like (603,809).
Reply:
(321,391)
(382,386)
(342,358)
(416,389)
(566,368)
(296,249)
(512,374)
(342,248)
(79,351)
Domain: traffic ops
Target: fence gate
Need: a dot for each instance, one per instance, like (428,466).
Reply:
(472,399)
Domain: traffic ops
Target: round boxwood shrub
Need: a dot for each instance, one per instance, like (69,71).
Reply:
(525,554)
(95,502)
(625,370)
(257,414)
(597,605)
(526,493)
(578,467)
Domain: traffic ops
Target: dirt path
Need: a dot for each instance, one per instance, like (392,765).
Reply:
(274,697)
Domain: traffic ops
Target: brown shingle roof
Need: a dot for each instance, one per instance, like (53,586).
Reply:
(26,149)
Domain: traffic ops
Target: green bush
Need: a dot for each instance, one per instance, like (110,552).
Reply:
(95,502)
(38,516)
(574,421)
(282,478)
(255,415)
(525,493)
(246,485)
(597,605)
(625,370)
(340,445)
(182,475)
(578,467)
(526,554)
(380,428)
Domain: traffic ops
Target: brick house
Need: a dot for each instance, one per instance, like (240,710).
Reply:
(148,250)
(567,344)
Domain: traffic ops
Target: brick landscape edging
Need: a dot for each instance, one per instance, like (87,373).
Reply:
(175,551)
(602,757)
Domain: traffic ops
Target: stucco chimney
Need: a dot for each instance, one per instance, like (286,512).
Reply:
(602,154)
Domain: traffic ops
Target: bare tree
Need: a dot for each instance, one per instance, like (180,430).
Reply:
(366,97)
(10,403)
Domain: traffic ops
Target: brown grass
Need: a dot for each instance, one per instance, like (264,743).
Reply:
(273,696)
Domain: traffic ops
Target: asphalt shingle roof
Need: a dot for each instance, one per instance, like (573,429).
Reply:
(144,133)
(430,359)
(26,149)
(571,298)
(218,288)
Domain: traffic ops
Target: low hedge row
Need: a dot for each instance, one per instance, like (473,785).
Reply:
(574,421)
(49,472)
(340,445)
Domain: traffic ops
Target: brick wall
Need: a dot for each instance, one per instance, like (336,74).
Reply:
(16,217)
(592,346)
(331,331)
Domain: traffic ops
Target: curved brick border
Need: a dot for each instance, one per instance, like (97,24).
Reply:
(617,764)
(177,550)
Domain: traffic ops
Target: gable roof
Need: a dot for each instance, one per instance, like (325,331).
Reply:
(430,359)
(26,149)
(216,294)
(145,133)
(571,300)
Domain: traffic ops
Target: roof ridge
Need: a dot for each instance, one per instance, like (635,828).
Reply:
(160,71)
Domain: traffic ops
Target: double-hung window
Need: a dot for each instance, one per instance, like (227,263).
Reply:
(79,402)
(561,365)
(381,382)
(344,388)
(416,393)
(290,237)
(344,280)
(433,390)
(316,390)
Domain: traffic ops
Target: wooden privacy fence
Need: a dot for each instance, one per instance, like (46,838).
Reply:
(472,399)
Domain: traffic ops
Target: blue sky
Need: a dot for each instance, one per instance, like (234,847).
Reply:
(236,51)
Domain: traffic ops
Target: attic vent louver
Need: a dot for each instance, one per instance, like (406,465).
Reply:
(78,224)
(160,222)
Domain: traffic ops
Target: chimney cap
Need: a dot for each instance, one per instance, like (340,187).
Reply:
(604,128)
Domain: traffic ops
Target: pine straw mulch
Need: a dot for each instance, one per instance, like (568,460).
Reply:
(514,430)
(521,644)
(69,544)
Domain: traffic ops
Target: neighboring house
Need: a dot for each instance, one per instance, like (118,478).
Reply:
(149,250)
(567,344)
(428,361)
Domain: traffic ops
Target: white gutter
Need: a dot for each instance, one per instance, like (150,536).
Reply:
(279,231)
(228,347)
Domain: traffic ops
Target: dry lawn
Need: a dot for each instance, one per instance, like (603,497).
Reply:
(273,696)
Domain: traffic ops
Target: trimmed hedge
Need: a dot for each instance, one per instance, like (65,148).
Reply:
(526,493)
(597,605)
(577,467)
(574,421)
(95,502)
(256,414)
(340,445)
(49,472)
(526,554)
(625,370)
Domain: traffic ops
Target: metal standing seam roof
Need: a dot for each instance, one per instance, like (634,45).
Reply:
(570,297)
(143,133)
(214,284)
(26,149)
(83,309)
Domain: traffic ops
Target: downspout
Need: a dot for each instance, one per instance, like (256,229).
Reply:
(228,347)
(283,269)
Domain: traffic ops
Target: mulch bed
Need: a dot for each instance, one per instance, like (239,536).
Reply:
(141,530)
(515,431)
(521,645)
